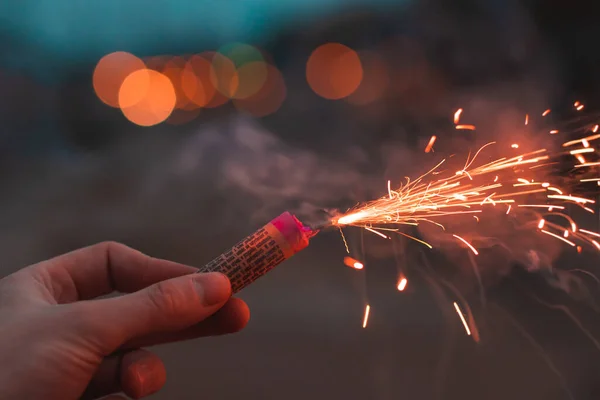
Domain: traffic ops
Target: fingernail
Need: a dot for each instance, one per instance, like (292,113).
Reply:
(213,287)
(150,378)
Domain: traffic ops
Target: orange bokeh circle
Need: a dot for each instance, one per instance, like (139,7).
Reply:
(334,71)
(147,97)
(110,72)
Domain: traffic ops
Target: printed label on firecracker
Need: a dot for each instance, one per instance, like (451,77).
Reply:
(252,257)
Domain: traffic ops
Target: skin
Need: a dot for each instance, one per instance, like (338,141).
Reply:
(61,341)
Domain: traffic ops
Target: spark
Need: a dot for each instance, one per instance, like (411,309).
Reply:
(514,146)
(589,232)
(595,128)
(462,318)
(590,180)
(430,144)
(558,237)
(457,116)
(366,316)
(508,210)
(582,140)
(352,263)
(541,223)
(554,131)
(546,112)
(581,151)
(580,107)
(580,158)
(376,232)
(541,206)
(526,119)
(402,284)
(585,143)
(575,199)
(590,164)
(466,127)
(469,245)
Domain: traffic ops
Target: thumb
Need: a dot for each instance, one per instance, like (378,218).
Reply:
(170,305)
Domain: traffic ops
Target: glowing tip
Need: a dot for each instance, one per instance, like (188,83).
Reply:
(402,284)
(462,318)
(352,263)
(366,317)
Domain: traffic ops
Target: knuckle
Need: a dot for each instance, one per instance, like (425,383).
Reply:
(109,244)
(169,298)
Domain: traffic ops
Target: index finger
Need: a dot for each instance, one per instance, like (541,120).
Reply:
(101,269)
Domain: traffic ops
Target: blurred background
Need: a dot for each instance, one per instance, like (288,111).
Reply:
(178,127)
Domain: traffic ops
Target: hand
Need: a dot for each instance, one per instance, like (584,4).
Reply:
(57,341)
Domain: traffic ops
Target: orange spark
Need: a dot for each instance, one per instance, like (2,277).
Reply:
(576,104)
(514,146)
(580,107)
(402,284)
(581,151)
(541,223)
(558,237)
(376,232)
(508,210)
(546,112)
(430,144)
(554,131)
(582,140)
(595,128)
(590,232)
(576,199)
(590,164)
(585,143)
(352,263)
(457,116)
(366,317)
(580,158)
(462,318)
(467,243)
(526,119)
(465,127)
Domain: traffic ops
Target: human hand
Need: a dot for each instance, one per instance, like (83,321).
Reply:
(57,341)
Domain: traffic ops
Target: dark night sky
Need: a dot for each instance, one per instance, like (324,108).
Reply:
(74,172)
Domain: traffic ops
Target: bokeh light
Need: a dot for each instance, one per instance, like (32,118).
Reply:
(196,83)
(174,71)
(269,98)
(223,75)
(241,54)
(147,97)
(250,67)
(376,79)
(110,72)
(252,77)
(334,71)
